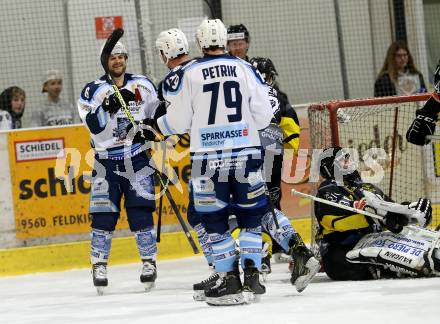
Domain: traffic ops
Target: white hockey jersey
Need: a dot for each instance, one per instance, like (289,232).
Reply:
(221,101)
(108,132)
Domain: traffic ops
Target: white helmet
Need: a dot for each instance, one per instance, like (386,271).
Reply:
(172,43)
(119,49)
(211,32)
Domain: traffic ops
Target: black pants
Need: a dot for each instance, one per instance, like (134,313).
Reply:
(338,268)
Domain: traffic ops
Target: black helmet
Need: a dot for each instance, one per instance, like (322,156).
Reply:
(265,67)
(328,166)
(238,32)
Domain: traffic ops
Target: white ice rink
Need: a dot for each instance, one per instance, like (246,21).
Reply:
(69,297)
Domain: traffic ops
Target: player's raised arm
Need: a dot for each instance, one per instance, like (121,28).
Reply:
(426,118)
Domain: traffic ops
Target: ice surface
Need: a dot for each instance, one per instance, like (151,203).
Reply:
(69,297)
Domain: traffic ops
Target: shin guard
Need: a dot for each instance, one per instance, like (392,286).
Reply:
(101,242)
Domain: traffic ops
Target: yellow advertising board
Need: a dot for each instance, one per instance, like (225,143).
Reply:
(50,176)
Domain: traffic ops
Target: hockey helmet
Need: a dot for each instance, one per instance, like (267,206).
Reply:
(238,32)
(118,49)
(211,33)
(266,67)
(336,163)
(172,43)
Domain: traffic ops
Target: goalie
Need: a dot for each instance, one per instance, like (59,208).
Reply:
(354,246)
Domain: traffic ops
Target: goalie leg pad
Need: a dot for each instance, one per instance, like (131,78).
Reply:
(408,252)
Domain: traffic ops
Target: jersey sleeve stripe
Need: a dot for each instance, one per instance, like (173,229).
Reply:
(102,118)
(165,126)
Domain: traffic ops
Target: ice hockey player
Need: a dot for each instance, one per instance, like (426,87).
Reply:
(281,138)
(357,247)
(121,164)
(225,155)
(173,49)
(238,41)
(426,117)
(238,45)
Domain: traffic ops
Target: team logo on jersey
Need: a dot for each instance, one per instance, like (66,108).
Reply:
(236,135)
(173,81)
(203,185)
(227,163)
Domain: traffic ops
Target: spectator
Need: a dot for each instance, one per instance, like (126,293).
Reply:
(12,103)
(399,76)
(53,110)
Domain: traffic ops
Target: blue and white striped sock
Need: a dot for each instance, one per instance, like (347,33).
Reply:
(250,245)
(285,231)
(203,238)
(223,251)
(100,245)
(146,243)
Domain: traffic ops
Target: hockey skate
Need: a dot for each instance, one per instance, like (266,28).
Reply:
(252,288)
(99,273)
(199,288)
(305,267)
(226,291)
(149,274)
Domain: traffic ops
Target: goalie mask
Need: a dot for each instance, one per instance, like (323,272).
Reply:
(337,163)
(211,33)
(265,67)
(171,44)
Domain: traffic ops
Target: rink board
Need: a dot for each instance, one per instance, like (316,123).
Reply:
(60,257)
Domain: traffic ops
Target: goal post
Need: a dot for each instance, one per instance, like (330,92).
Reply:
(375,128)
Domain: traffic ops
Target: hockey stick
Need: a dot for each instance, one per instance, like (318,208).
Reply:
(433,137)
(106,52)
(331,203)
(159,217)
(272,207)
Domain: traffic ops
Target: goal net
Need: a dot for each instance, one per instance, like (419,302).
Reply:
(375,129)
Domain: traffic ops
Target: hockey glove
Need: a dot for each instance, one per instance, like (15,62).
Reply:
(395,221)
(359,204)
(111,104)
(423,125)
(424,212)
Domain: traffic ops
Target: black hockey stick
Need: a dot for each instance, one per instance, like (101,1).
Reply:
(108,47)
(272,207)
(159,216)
(106,52)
